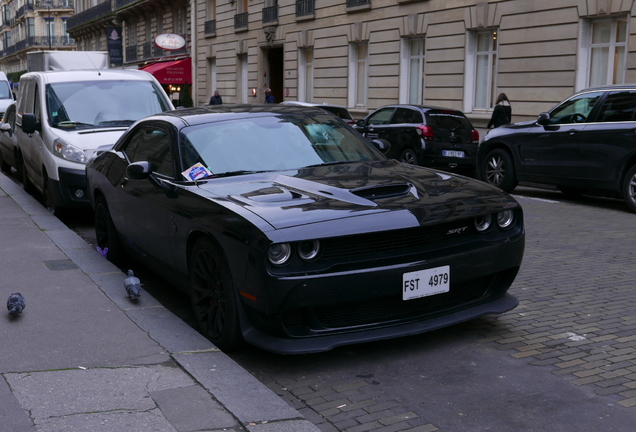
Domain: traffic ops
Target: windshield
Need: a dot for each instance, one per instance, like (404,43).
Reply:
(271,143)
(83,104)
(5,90)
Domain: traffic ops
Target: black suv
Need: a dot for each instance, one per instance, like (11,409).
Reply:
(422,135)
(587,143)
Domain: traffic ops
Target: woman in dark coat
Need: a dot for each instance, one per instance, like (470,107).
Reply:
(502,114)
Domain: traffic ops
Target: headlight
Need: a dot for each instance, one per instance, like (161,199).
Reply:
(308,250)
(279,254)
(482,223)
(505,219)
(69,152)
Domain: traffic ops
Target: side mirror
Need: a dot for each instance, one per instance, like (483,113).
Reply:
(543,119)
(360,123)
(383,145)
(30,124)
(6,127)
(139,170)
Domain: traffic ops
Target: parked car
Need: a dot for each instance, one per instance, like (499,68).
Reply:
(6,94)
(64,115)
(292,232)
(584,144)
(337,110)
(422,135)
(9,151)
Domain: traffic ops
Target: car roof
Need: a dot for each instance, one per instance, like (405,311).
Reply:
(609,87)
(206,114)
(91,75)
(422,108)
(312,104)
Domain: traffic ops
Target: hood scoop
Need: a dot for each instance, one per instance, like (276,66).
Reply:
(383,191)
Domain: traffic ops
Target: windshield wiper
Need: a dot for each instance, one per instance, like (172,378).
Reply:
(229,174)
(70,123)
(111,122)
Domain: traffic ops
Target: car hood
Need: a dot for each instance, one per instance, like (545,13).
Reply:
(520,127)
(416,195)
(90,139)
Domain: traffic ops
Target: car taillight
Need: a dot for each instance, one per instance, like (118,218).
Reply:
(426,132)
(474,135)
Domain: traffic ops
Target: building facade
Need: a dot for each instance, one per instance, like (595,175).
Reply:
(457,53)
(32,25)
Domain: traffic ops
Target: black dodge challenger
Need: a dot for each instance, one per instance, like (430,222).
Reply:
(292,232)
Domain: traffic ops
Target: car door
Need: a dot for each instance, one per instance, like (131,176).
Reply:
(549,152)
(606,143)
(144,204)
(378,124)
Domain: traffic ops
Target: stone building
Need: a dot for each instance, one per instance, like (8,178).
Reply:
(367,53)
(32,25)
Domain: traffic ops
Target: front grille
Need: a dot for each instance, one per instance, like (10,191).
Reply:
(300,321)
(392,240)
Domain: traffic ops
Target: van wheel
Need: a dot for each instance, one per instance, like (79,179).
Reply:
(498,170)
(49,199)
(629,189)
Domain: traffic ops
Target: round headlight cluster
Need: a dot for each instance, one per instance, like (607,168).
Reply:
(505,219)
(279,254)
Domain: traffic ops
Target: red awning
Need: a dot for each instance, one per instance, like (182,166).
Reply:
(171,72)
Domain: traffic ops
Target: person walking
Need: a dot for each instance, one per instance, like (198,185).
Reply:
(269,97)
(502,114)
(216,99)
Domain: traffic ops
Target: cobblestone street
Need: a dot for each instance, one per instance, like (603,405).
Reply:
(576,323)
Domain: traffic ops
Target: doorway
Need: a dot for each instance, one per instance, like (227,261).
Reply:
(275,66)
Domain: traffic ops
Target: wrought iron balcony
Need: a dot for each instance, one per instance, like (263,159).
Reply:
(240,21)
(209,27)
(270,14)
(131,53)
(101,10)
(23,9)
(356,3)
(54,4)
(305,7)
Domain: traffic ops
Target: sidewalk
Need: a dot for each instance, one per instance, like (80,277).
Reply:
(83,357)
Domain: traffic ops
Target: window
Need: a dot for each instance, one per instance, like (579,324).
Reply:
(153,145)
(413,64)
(49,27)
(485,69)
(358,66)
(306,74)
(619,107)
(212,75)
(575,110)
(602,52)
(381,116)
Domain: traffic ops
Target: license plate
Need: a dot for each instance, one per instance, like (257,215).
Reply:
(453,153)
(425,282)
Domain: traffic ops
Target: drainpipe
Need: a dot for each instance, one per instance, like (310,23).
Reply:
(193,51)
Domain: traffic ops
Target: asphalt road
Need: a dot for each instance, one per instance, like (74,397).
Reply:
(564,360)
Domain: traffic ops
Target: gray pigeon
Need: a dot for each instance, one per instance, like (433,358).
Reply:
(132,285)
(15,304)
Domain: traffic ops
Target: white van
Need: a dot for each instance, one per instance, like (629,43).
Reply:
(6,94)
(63,116)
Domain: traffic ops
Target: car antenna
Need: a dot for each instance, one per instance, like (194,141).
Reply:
(95,66)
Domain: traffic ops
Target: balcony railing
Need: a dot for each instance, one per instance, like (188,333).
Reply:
(39,41)
(55,4)
(101,10)
(305,7)
(131,53)
(121,3)
(240,20)
(209,27)
(356,3)
(22,10)
(270,14)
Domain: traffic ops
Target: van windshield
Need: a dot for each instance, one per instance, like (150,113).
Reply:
(88,104)
(5,90)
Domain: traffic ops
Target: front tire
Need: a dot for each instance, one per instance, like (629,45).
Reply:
(629,189)
(498,170)
(213,295)
(26,183)
(106,233)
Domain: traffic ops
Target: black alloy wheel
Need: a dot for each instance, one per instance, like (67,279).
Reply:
(408,156)
(498,170)
(106,233)
(629,189)
(213,296)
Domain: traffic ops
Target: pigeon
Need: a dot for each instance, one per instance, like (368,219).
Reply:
(132,285)
(15,304)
